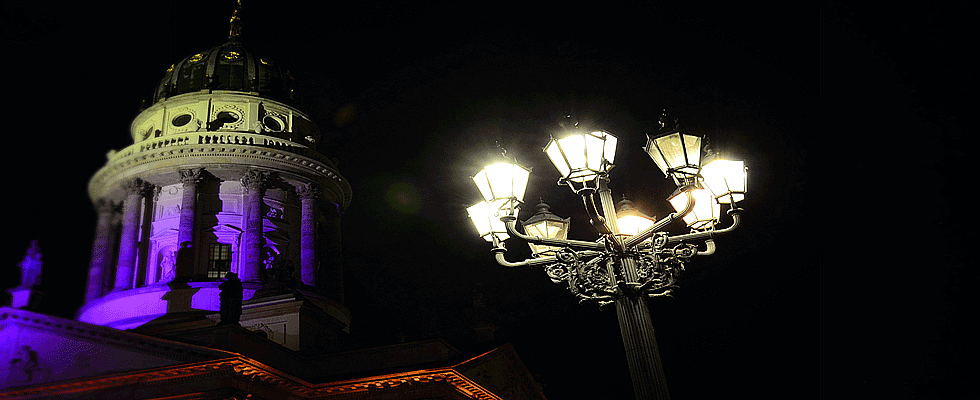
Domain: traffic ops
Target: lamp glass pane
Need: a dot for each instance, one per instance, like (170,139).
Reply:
(486,218)
(548,229)
(539,229)
(670,148)
(555,154)
(705,212)
(574,149)
(726,179)
(655,155)
(502,181)
(633,224)
(678,156)
(669,154)
(579,156)
(599,146)
(693,146)
(540,250)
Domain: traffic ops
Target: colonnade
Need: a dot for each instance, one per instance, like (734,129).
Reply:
(119,225)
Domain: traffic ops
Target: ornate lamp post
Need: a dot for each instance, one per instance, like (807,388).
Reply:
(626,264)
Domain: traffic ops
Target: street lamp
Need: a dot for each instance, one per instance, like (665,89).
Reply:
(626,264)
(502,184)
(706,210)
(545,224)
(630,220)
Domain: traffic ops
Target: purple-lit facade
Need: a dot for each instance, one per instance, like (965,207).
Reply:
(222,176)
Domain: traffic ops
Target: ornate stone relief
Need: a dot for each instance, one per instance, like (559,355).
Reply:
(309,191)
(227,117)
(170,211)
(276,213)
(191,175)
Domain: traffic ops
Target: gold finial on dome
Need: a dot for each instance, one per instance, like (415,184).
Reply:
(236,23)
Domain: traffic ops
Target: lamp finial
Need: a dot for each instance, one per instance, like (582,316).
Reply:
(668,122)
(503,151)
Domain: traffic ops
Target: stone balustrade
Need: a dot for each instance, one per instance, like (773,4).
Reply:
(253,146)
(211,138)
(196,138)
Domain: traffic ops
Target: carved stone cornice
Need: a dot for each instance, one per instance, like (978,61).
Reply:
(296,161)
(109,336)
(191,175)
(137,186)
(445,376)
(92,384)
(257,179)
(250,372)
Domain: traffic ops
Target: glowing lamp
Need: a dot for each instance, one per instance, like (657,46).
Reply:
(581,157)
(725,179)
(677,154)
(486,218)
(705,212)
(502,184)
(544,224)
(630,220)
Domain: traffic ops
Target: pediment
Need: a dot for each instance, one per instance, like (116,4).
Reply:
(37,348)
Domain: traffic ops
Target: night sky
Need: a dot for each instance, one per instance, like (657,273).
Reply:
(824,292)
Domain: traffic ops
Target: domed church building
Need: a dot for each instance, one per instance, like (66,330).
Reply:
(216,272)
(222,176)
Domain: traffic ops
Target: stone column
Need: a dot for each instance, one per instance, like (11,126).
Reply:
(308,195)
(187,227)
(136,190)
(99,266)
(254,184)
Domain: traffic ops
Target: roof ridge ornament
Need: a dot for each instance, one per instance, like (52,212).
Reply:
(236,24)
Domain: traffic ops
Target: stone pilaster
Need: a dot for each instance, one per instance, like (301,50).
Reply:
(308,194)
(190,179)
(136,190)
(254,184)
(102,245)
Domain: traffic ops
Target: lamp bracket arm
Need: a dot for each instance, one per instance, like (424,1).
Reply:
(598,221)
(509,222)
(710,248)
(707,235)
(498,254)
(632,241)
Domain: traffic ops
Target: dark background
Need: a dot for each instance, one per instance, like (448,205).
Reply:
(846,280)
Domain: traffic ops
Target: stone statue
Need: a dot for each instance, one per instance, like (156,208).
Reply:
(168,265)
(230,295)
(30,267)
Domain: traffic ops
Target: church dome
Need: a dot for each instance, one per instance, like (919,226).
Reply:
(229,66)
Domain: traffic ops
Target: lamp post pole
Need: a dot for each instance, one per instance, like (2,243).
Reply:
(635,325)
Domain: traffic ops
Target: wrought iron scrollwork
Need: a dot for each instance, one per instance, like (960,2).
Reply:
(587,278)
(590,277)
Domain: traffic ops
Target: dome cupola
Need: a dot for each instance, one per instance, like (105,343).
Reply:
(230,66)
